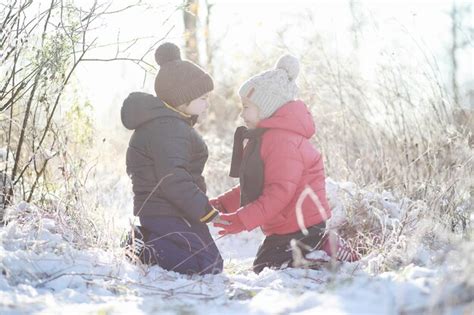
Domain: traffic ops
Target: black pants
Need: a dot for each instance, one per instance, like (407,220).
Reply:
(276,250)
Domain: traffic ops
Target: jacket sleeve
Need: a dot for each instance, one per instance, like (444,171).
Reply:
(171,149)
(283,167)
(230,200)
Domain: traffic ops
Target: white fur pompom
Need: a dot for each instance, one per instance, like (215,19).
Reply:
(290,64)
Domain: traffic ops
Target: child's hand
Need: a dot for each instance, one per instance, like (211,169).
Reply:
(217,219)
(216,204)
(231,224)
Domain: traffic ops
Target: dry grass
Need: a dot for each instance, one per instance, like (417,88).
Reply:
(398,132)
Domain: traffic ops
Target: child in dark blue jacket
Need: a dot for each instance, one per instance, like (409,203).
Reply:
(165,160)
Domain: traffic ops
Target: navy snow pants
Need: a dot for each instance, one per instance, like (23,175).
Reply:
(181,246)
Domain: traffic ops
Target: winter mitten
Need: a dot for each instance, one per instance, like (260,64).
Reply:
(231,224)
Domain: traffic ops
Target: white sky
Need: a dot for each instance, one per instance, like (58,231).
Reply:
(245,28)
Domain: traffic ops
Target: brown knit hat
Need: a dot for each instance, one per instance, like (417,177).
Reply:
(179,81)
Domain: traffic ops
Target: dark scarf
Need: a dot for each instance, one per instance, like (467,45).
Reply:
(247,163)
(193,120)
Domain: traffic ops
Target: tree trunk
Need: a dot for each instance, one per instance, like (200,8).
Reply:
(355,27)
(190,18)
(207,38)
(454,48)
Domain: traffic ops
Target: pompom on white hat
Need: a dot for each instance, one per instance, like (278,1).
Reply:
(272,89)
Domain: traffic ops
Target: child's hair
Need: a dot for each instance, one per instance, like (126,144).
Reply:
(179,81)
(272,89)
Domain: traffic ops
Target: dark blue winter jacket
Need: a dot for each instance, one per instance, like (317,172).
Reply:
(165,160)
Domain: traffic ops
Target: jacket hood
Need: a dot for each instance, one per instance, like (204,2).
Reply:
(293,116)
(139,108)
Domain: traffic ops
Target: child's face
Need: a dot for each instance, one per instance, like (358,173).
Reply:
(197,106)
(250,113)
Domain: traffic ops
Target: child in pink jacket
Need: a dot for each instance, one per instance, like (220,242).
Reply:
(276,167)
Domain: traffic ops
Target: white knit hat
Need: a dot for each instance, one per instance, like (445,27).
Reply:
(274,88)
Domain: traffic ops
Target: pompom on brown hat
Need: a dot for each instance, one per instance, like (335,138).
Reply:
(179,81)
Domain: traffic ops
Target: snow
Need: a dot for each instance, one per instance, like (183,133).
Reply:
(44,272)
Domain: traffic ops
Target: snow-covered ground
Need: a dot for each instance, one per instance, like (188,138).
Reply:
(42,272)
